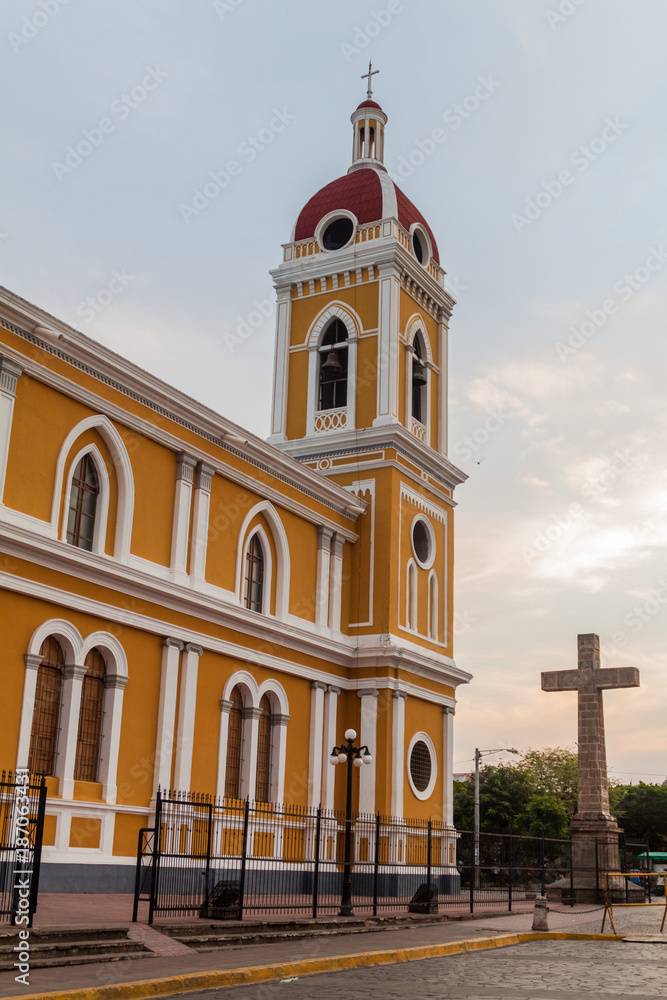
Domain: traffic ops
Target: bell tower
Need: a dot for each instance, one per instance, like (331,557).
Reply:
(360,395)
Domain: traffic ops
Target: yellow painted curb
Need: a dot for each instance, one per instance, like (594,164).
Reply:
(191,981)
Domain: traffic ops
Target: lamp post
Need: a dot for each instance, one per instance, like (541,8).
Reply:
(354,757)
(478,756)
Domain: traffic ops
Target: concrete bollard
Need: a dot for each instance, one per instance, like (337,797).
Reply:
(540,915)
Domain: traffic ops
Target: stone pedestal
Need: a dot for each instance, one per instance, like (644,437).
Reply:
(595,850)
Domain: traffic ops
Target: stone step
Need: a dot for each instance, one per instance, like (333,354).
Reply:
(71,946)
(39,962)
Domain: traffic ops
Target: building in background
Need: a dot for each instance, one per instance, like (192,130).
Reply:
(186,606)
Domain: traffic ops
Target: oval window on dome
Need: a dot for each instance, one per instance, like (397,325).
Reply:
(338,233)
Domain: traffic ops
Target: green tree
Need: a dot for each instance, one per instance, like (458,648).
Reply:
(642,813)
(552,772)
(546,816)
(504,795)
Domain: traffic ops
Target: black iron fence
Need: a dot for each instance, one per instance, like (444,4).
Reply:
(22,806)
(233,859)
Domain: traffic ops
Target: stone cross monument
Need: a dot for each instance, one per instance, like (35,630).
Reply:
(594,830)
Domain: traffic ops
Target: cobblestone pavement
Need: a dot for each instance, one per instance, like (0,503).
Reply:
(549,970)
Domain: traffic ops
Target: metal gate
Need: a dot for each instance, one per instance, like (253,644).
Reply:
(22,807)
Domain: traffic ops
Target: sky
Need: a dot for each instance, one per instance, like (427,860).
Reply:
(155,156)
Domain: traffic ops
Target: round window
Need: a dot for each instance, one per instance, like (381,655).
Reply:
(338,233)
(418,246)
(420,766)
(421,542)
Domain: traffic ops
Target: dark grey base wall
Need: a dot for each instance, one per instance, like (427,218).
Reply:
(120,879)
(86,878)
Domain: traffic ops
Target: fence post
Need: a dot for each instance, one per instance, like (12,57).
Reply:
(473,879)
(209,839)
(571,873)
(155,863)
(597,870)
(37,849)
(509,875)
(376,864)
(244,852)
(316,872)
(428,862)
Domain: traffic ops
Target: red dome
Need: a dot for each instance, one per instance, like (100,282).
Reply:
(369,104)
(370,194)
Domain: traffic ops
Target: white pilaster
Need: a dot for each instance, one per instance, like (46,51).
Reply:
(443,350)
(200,516)
(368,735)
(448,765)
(114,689)
(281,369)
(324,536)
(73,674)
(387,391)
(336,584)
(186,717)
(312,389)
(9,374)
(398,752)
(164,744)
(279,750)
(181,528)
(251,714)
(317,689)
(329,727)
(32,664)
(225,708)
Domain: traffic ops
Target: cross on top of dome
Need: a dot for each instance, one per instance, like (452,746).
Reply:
(371,73)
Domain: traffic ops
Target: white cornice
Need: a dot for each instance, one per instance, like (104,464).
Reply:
(340,443)
(378,651)
(103,364)
(383,251)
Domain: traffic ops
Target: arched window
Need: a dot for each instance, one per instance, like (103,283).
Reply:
(234,747)
(90,718)
(254,575)
(419,380)
(46,713)
(332,373)
(264,751)
(83,504)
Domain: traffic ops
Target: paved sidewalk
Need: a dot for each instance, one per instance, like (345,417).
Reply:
(582,919)
(538,970)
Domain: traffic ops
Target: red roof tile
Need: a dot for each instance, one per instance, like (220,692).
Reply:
(359,192)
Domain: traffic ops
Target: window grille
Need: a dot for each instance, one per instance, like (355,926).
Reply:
(83,505)
(264,751)
(234,743)
(420,765)
(333,387)
(254,575)
(46,713)
(90,718)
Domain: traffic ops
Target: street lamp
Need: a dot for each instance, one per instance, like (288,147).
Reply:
(354,757)
(478,756)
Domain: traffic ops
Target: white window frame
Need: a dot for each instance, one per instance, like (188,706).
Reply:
(428,791)
(282,567)
(352,323)
(416,325)
(252,694)
(102,505)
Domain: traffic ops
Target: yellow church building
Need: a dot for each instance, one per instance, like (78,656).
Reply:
(187,606)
